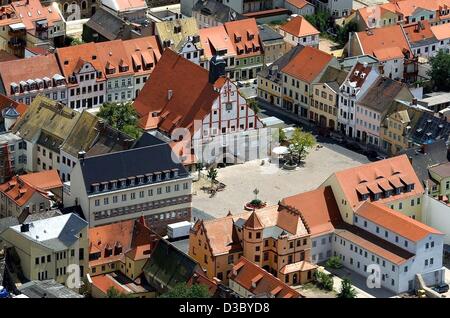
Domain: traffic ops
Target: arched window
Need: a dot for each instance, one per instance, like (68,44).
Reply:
(83,5)
(65,7)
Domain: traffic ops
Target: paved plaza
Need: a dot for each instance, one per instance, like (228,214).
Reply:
(273,183)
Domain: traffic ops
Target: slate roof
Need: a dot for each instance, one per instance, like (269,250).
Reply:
(221,13)
(382,94)
(266,33)
(333,77)
(56,233)
(106,24)
(146,140)
(428,155)
(169,266)
(47,289)
(129,163)
(428,129)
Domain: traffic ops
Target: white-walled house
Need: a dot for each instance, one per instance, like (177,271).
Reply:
(358,81)
(299,31)
(198,110)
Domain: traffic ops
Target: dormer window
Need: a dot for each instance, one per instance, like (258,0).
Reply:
(387,193)
(132,181)
(141,180)
(158,177)
(96,187)
(376,196)
(149,177)
(175,173)
(398,190)
(105,186)
(123,183)
(113,185)
(364,197)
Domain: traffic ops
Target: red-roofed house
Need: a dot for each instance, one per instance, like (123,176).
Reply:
(300,7)
(248,279)
(244,35)
(303,69)
(299,31)
(183,98)
(29,192)
(391,47)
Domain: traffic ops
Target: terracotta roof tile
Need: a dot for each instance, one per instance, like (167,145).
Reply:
(192,94)
(385,41)
(298,3)
(318,208)
(259,282)
(214,39)
(441,31)
(391,169)
(242,33)
(299,27)
(307,64)
(44,180)
(395,221)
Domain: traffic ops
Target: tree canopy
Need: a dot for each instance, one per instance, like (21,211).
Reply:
(300,142)
(440,71)
(347,290)
(182,290)
(121,116)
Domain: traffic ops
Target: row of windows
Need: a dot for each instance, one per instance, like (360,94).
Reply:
(135,208)
(141,194)
(87,102)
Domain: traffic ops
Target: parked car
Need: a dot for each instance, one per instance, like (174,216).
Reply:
(380,158)
(239,84)
(442,288)
(371,154)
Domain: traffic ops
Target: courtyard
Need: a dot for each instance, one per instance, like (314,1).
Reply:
(272,182)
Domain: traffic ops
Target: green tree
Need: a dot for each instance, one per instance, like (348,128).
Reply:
(112,292)
(121,116)
(321,20)
(324,281)
(301,141)
(212,175)
(440,71)
(76,41)
(182,290)
(334,262)
(344,32)
(347,290)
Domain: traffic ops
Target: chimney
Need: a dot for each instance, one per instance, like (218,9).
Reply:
(414,101)
(169,94)
(25,227)
(81,155)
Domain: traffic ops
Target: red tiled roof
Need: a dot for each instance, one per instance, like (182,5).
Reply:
(31,68)
(105,282)
(385,41)
(318,208)
(192,94)
(244,28)
(18,191)
(395,221)
(299,27)
(307,64)
(298,3)
(44,180)
(214,39)
(259,282)
(7,102)
(390,168)
(441,31)
(418,31)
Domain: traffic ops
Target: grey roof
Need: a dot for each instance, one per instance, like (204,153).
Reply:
(147,139)
(272,72)
(41,215)
(239,223)
(333,77)
(168,266)
(428,129)
(273,231)
(221,13)
(106,24)
(425,156)
(47,289)
(56,233)
(349,62)
(382,94)
(266,33)
(129,163)
(163,14)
